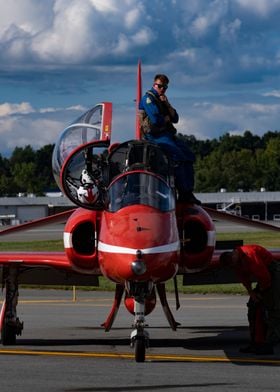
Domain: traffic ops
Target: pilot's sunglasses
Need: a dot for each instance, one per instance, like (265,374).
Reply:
(165,86)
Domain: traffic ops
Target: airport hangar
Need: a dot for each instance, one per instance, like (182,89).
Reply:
(263,206)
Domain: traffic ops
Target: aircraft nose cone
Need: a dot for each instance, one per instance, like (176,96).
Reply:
(138,267)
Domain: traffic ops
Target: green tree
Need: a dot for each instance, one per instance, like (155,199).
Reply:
(232,170)
(268,165)
(22,154)
(24,177)
(43,172)
(209,173)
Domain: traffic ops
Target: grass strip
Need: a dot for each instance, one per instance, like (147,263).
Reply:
(265,238)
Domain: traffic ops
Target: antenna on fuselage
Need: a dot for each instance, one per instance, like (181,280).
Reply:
(138,98)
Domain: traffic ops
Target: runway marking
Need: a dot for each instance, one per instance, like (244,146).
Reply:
(94,303)
(98,302)
(149,357)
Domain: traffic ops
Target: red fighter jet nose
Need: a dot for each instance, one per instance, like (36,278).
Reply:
(138,266)
(128,253)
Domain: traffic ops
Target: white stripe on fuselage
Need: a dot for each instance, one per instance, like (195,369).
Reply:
(173,247)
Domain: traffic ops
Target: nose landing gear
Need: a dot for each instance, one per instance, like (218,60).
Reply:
(139,336)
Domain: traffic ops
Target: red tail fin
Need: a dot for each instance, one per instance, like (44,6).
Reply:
(138,98)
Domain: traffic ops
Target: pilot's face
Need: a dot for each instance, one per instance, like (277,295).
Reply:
(160,87)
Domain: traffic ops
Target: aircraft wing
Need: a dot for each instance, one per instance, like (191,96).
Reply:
(35,259)
(224,216)
(214,273)
(43,267)
(57,218)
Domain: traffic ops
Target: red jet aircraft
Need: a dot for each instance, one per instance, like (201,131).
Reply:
(128,227)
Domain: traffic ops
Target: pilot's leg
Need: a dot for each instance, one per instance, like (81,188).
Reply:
(251,347)
(272,302)
(183,159)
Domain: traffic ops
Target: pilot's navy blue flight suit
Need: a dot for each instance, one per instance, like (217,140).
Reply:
(163,134)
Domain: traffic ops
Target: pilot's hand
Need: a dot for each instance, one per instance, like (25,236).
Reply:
(163,98)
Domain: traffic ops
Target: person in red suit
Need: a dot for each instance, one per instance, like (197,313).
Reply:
(255,263)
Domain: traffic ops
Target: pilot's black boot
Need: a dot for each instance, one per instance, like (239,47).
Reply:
(250,348)
(265,349)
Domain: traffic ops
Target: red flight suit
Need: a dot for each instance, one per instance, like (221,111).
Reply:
(257,263)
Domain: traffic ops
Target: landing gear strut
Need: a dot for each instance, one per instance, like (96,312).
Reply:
(139,337)
(10,324)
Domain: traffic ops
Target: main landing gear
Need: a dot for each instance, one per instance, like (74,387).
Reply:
(10,324)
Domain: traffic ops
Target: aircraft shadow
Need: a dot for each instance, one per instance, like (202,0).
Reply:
(152,387)
(225,336)
(204,340)
(73,342)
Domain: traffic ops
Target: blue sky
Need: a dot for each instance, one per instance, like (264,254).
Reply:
(60,57)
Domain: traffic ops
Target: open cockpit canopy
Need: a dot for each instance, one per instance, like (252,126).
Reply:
(94,125)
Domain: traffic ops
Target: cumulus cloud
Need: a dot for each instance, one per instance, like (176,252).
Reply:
(207,120)
(60,56)
(7,109)
(21,124)
(71,31)
(263,8)
(59,33)
(273,93)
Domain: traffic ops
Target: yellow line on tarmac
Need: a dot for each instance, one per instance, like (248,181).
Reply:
(65,354)
(65,301)
(150,357)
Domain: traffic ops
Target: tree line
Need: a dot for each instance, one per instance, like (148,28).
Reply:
(235,162)
(27,171)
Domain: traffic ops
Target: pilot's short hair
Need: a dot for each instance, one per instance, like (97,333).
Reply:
(163,78)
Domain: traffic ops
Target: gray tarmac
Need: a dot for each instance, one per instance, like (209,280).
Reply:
(64,348)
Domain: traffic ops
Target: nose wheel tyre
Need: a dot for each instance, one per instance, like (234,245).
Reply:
(140,349)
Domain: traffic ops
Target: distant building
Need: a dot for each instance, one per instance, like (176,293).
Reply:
(16,210)
(264,206)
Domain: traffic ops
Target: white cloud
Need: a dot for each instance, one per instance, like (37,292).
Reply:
(7,109)
(86,51)
(132,17)
(30,16)
(209,17)
(19,131)
(143,37)
(273,93)
(105,5)
(73,31)
(210,120)
(263,8)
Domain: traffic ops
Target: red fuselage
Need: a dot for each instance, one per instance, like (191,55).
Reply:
(139,228)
